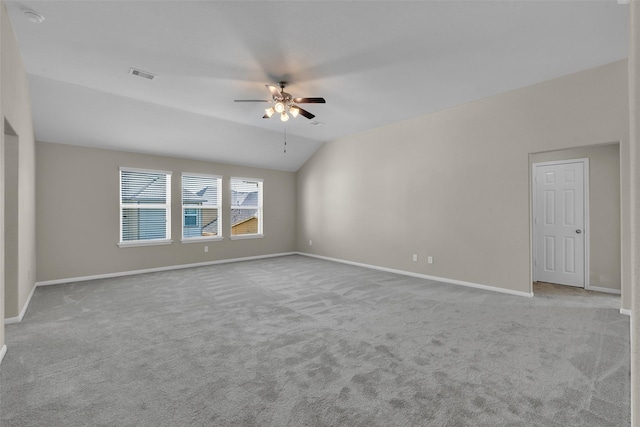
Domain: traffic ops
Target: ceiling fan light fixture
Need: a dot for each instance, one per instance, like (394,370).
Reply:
(279,107)
(284,104)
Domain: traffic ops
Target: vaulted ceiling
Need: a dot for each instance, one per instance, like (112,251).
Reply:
(375,62)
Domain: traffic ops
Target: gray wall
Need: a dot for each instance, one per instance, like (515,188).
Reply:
(78,213)
(604,210)
(455,184)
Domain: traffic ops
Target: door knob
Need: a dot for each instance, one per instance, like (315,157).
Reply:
(578,231)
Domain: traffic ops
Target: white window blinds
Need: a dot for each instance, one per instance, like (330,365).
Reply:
(201,199)
(145,201)
(246,207)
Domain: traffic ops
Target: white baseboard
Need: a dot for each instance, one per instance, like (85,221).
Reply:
(605,290)
(157,269)
(225,261)
(3,351)
(19,317)
(424,276)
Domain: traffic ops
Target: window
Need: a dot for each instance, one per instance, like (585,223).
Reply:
(246,207)
(145,207)
(190,218)
(201,213)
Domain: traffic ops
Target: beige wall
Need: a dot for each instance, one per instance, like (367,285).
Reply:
(16,111)
(604,210)
(3,12)
(78,214)
(11,220)
(633,159)
(454,184)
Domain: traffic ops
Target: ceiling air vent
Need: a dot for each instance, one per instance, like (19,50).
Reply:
(140,73)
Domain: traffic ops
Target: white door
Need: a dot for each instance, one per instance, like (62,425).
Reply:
(559,222)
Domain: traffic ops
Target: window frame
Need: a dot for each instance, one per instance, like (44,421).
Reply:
(166,206)
(259,208)
(195,239)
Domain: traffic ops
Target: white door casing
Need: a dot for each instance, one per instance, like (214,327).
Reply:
(560,222)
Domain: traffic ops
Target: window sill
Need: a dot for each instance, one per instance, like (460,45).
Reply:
(201,239)
(247,236)
(145,243)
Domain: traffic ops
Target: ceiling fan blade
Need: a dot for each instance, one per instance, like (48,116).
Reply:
(275,91)
(305,113)
(251,100)
(309,100)
(266,117)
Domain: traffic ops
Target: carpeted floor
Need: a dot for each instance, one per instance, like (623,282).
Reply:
(298,341)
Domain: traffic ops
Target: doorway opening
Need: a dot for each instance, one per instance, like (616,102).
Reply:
(11,219)
(575,226)
(560,222)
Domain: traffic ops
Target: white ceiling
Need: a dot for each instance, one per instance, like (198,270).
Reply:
(374,62)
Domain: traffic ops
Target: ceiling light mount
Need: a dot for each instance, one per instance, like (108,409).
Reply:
(33,16)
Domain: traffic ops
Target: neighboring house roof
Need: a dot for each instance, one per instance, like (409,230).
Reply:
(238,199)
(243,199)
(190,198)
(251,199)
(209,194)
(241,215)
(211,228)
(151,190)
(245,220)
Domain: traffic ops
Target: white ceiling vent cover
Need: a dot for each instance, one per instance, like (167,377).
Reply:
(140,73)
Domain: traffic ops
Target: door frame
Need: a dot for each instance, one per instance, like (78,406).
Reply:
(586,231)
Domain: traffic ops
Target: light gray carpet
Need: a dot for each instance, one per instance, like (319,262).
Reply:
(297,341)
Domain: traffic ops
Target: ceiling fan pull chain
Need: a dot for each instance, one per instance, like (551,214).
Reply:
(285,139)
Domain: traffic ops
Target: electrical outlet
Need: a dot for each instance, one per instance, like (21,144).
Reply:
(415,257)
(206,248)
(430,260)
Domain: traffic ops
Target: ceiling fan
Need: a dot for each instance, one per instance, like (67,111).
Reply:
(284,103)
